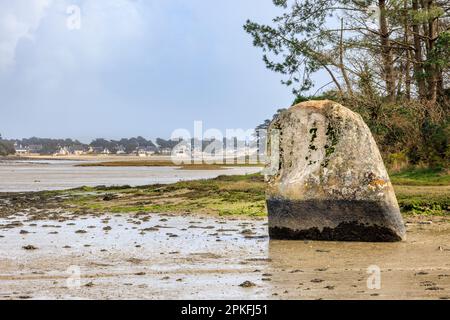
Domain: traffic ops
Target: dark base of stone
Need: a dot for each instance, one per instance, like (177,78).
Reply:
(343,232)
(355,220)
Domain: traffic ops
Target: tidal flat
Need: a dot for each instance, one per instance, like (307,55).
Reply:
(188,256)
(208,238)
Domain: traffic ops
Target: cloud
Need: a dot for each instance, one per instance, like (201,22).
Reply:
(135,67)
(18,19)
(43,26)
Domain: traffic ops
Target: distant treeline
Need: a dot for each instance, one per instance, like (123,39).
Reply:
(6,147)
(48,146)
(99,145)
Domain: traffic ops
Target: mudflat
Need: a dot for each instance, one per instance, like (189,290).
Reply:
(62,255)
(209,239)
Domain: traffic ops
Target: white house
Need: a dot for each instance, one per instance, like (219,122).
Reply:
(20,150)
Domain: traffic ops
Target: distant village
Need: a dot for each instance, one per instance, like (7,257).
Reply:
(64,147)
(134,146)
(138,146)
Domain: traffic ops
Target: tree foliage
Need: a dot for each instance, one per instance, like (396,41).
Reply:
(6,147)
(397,48)
(386,59)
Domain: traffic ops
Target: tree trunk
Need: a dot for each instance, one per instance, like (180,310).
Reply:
(407,69)
(432,67)
(418,62)
(386,52)
(341,61)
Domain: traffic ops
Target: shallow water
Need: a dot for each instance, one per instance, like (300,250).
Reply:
(207,257)
(24,176)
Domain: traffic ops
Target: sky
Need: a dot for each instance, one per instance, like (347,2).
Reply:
(121,68)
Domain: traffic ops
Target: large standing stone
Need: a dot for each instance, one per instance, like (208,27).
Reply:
(329,180)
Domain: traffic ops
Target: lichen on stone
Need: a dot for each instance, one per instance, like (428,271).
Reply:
(332,141)
(331,174)
(313,133)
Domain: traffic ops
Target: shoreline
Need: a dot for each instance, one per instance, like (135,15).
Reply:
(234,195)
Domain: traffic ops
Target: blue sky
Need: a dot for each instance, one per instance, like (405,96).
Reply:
(135,67)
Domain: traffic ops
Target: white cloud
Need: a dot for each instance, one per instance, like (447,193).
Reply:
(105,25)
(134,66)
(18,19)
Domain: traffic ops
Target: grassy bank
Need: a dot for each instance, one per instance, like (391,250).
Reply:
(225,195)
(421,177)
(244,195)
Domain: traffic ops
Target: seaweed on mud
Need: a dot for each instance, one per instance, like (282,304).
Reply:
(346,231)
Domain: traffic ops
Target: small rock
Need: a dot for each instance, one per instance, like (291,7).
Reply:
(296,271)
(109,197)
(247,284)
(322,269)
(434,288)
(29,247)
(316,280)
(150,229)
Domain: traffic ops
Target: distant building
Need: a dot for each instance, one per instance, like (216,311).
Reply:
(121,150)
(20,150)
(63,151)
(146,151)
(77,151)
(99,150)
(35,148)
(165,151)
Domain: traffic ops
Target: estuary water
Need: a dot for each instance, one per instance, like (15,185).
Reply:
(39,175)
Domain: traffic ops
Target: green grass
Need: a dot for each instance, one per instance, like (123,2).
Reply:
(225,195)
(420,191)
(421,177)
(434,200)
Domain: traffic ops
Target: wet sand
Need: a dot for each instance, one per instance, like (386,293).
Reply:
(149,256)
